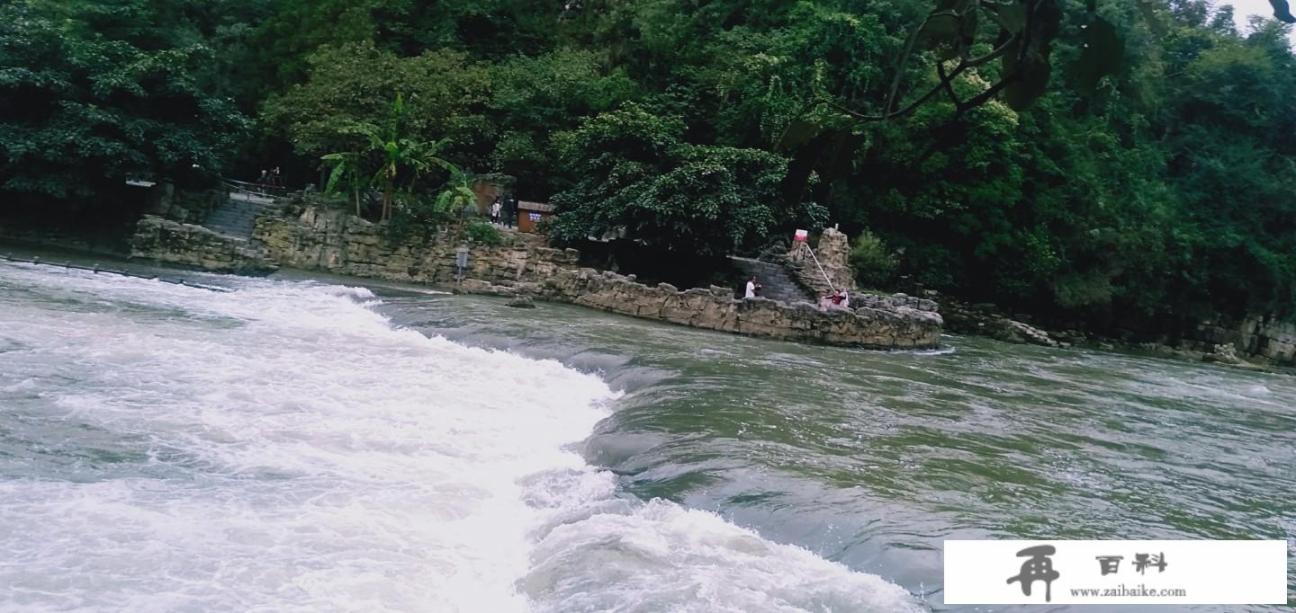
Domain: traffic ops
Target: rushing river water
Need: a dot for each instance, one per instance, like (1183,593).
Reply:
(300,445)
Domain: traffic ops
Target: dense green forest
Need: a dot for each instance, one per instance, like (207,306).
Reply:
(1138,173)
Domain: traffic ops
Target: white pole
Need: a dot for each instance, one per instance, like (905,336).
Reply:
(821,268)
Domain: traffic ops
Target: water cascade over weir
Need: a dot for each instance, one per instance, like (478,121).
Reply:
(284,446)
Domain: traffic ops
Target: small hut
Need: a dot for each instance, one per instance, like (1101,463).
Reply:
(530,214)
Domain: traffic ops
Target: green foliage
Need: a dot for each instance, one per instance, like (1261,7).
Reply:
(1101,54)
(533,97)
(354,84)
(456,197)
(639,178)
(421,213)
(347,175)
(93,94)
(1148,188)
(297,28)
(874,264)
(483,233)
(387,159)
(1020,38)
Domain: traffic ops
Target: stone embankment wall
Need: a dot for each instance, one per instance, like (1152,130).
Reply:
(1269,338)
(332,240)
(1257,336)
(1265,339)
(524,266)
(884,326)
(171,242)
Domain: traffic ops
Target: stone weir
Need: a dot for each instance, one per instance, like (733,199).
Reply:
(314,238)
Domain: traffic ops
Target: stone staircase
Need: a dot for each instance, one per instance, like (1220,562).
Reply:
(774,280)
(237,216)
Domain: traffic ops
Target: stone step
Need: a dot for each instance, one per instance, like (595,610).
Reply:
(230,222)
(235,218)
(229,215)
(233,214)
(774,280)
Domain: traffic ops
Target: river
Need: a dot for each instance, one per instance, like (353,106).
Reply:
(298,445)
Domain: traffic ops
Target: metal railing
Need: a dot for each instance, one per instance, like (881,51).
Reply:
(265,190)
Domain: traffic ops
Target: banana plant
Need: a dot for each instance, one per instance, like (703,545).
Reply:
(457,194)
(347,175)
(389,159)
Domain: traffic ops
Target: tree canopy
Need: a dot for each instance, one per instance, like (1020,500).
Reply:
(1124,164)
(636,176)
(93,94)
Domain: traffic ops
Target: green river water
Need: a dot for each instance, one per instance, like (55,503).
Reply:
(294,444)
(873,458)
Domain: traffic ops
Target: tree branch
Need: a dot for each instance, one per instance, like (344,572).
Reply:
(984,96)
(889,114)
(904,61)
(945,82)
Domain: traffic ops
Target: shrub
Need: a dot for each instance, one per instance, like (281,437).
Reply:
(874,264)
(483,233)
(544,226)
(417,217)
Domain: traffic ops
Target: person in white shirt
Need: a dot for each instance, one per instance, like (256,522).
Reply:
(845,303)
(752,287)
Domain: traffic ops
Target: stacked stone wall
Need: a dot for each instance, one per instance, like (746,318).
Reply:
(524,265)
(181,244)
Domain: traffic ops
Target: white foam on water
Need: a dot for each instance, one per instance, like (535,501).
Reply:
(283,448)
(597,552)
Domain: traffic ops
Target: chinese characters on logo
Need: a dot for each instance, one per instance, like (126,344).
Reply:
(1141,562)
(1038,568)
(1111,564)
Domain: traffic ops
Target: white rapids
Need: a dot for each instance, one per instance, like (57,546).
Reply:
(282,447)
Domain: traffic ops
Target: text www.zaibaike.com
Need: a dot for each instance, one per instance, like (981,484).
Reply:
(1121,591)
